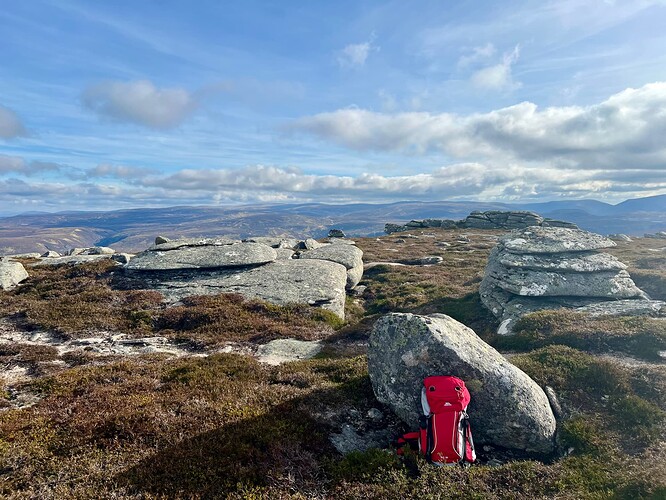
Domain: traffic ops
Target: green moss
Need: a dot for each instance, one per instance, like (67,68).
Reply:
(367,466)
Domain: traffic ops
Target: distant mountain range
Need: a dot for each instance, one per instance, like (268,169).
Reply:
(135,229)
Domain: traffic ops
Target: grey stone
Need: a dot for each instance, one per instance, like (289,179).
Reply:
(122,258)
(619,237)
(203,257)
(76,251)
(309,244)
(71,260)
(547,284)
(11,274)
(625,308)
(495,219)
(661,235)
(49,254)
(563,262)
(348,255)
(99,251)
(319,283)
(553,240)
(159,240)
(558,223)
(192,242)
(274,241)
(359,290)
(554,401)
(284,253)
(336,233)
(284,350)
(508,408)
(29,255)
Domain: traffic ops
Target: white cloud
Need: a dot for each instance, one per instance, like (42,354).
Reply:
(140,102)
(498,76)
(625,131)
(355,55)
(10,124)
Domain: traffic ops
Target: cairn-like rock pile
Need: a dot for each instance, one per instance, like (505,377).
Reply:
(492,219)
(550,267)
(508,408)
(278,270)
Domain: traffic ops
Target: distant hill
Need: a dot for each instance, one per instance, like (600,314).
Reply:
(135,229)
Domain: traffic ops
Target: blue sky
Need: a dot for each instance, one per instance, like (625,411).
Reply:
(154,103)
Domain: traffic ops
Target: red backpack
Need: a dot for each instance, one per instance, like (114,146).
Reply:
(445,436)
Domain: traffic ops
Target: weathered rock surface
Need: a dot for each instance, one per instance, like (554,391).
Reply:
(549,268)
(508,408)
(192,242)
(49,254)
(11,274)
(318,283)
(161,239)
(211,256)
(274,241)
(616,285)
(551,240)
(309,244)
(281,351)
(348,255)
(564,262)
(74,260)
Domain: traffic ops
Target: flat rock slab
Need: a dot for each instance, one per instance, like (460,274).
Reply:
(192,242)
(11,274)
(318,283)
(639,307)
(73,260)
(285,350)
(553,240)
(547,284)
(508,408)
(565,263)
(203,257)
(274,241)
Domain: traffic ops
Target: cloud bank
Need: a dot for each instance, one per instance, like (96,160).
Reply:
(140,102)
(625,131)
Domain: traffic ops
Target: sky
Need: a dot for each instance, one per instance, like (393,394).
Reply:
(110,105)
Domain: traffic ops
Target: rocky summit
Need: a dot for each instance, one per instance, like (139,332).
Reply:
(510,410)
(551,267)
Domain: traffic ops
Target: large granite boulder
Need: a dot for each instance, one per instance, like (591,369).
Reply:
(11,274)
(318,283)
(508,408)
(349,256)
(551,267)
(173,255)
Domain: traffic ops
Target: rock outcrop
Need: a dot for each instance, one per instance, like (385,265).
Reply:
(260,268)
(348,255)
(547,267)
(508,408)
(167,257)
(11,274)
(318,283)
(493,219)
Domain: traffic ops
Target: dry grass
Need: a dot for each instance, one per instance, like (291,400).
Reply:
(643,337)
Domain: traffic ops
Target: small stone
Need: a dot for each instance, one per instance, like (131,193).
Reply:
(336,233)
(375,414)
(49,254)
(161,239)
